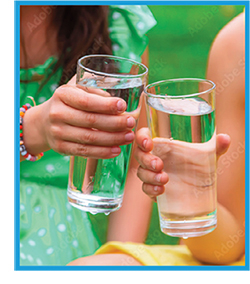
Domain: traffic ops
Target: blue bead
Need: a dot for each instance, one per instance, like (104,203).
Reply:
(24,153)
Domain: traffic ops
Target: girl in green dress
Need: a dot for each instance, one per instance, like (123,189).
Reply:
(52,39)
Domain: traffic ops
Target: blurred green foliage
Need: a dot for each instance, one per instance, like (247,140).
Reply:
(179,44)
(178,47)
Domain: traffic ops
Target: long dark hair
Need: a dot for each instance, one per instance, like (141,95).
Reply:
(82,30)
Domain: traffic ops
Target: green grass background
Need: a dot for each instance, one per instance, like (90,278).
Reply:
(180,42)
(178,47)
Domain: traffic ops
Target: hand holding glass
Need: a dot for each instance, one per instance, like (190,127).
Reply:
(181,118)
(97,185)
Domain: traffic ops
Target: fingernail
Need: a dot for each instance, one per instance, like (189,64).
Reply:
(144,143)
(121,105)
(153,164)
(129,136)
(158,178)
(130,122)
(115,150)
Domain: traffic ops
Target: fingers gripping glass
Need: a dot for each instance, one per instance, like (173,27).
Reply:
(97,185)
(181,118)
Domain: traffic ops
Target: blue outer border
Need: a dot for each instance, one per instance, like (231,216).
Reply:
(108,2)
(247,93)
(16,135)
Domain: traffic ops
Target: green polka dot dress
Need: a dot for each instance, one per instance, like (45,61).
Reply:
(51,231)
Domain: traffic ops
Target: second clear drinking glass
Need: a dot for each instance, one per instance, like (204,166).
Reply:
(181,118)
(97,185)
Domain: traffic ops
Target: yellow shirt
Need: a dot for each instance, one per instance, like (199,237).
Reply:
(156,254)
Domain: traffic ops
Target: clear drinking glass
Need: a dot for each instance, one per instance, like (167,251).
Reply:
(97,185)
(181,118)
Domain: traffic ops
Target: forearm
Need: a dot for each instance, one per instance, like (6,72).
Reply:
(222,246)
(130,223)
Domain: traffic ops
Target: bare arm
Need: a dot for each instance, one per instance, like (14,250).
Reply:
(226,69)
(130,223)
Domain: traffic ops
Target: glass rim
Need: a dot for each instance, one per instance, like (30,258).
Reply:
(116,75)
(213,86)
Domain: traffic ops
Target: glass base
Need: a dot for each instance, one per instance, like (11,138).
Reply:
(190,227)
(92,203)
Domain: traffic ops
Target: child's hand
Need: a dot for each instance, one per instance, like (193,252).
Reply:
(76,122)
(151,169)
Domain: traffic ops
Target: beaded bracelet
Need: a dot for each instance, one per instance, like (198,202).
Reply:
(23,150)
